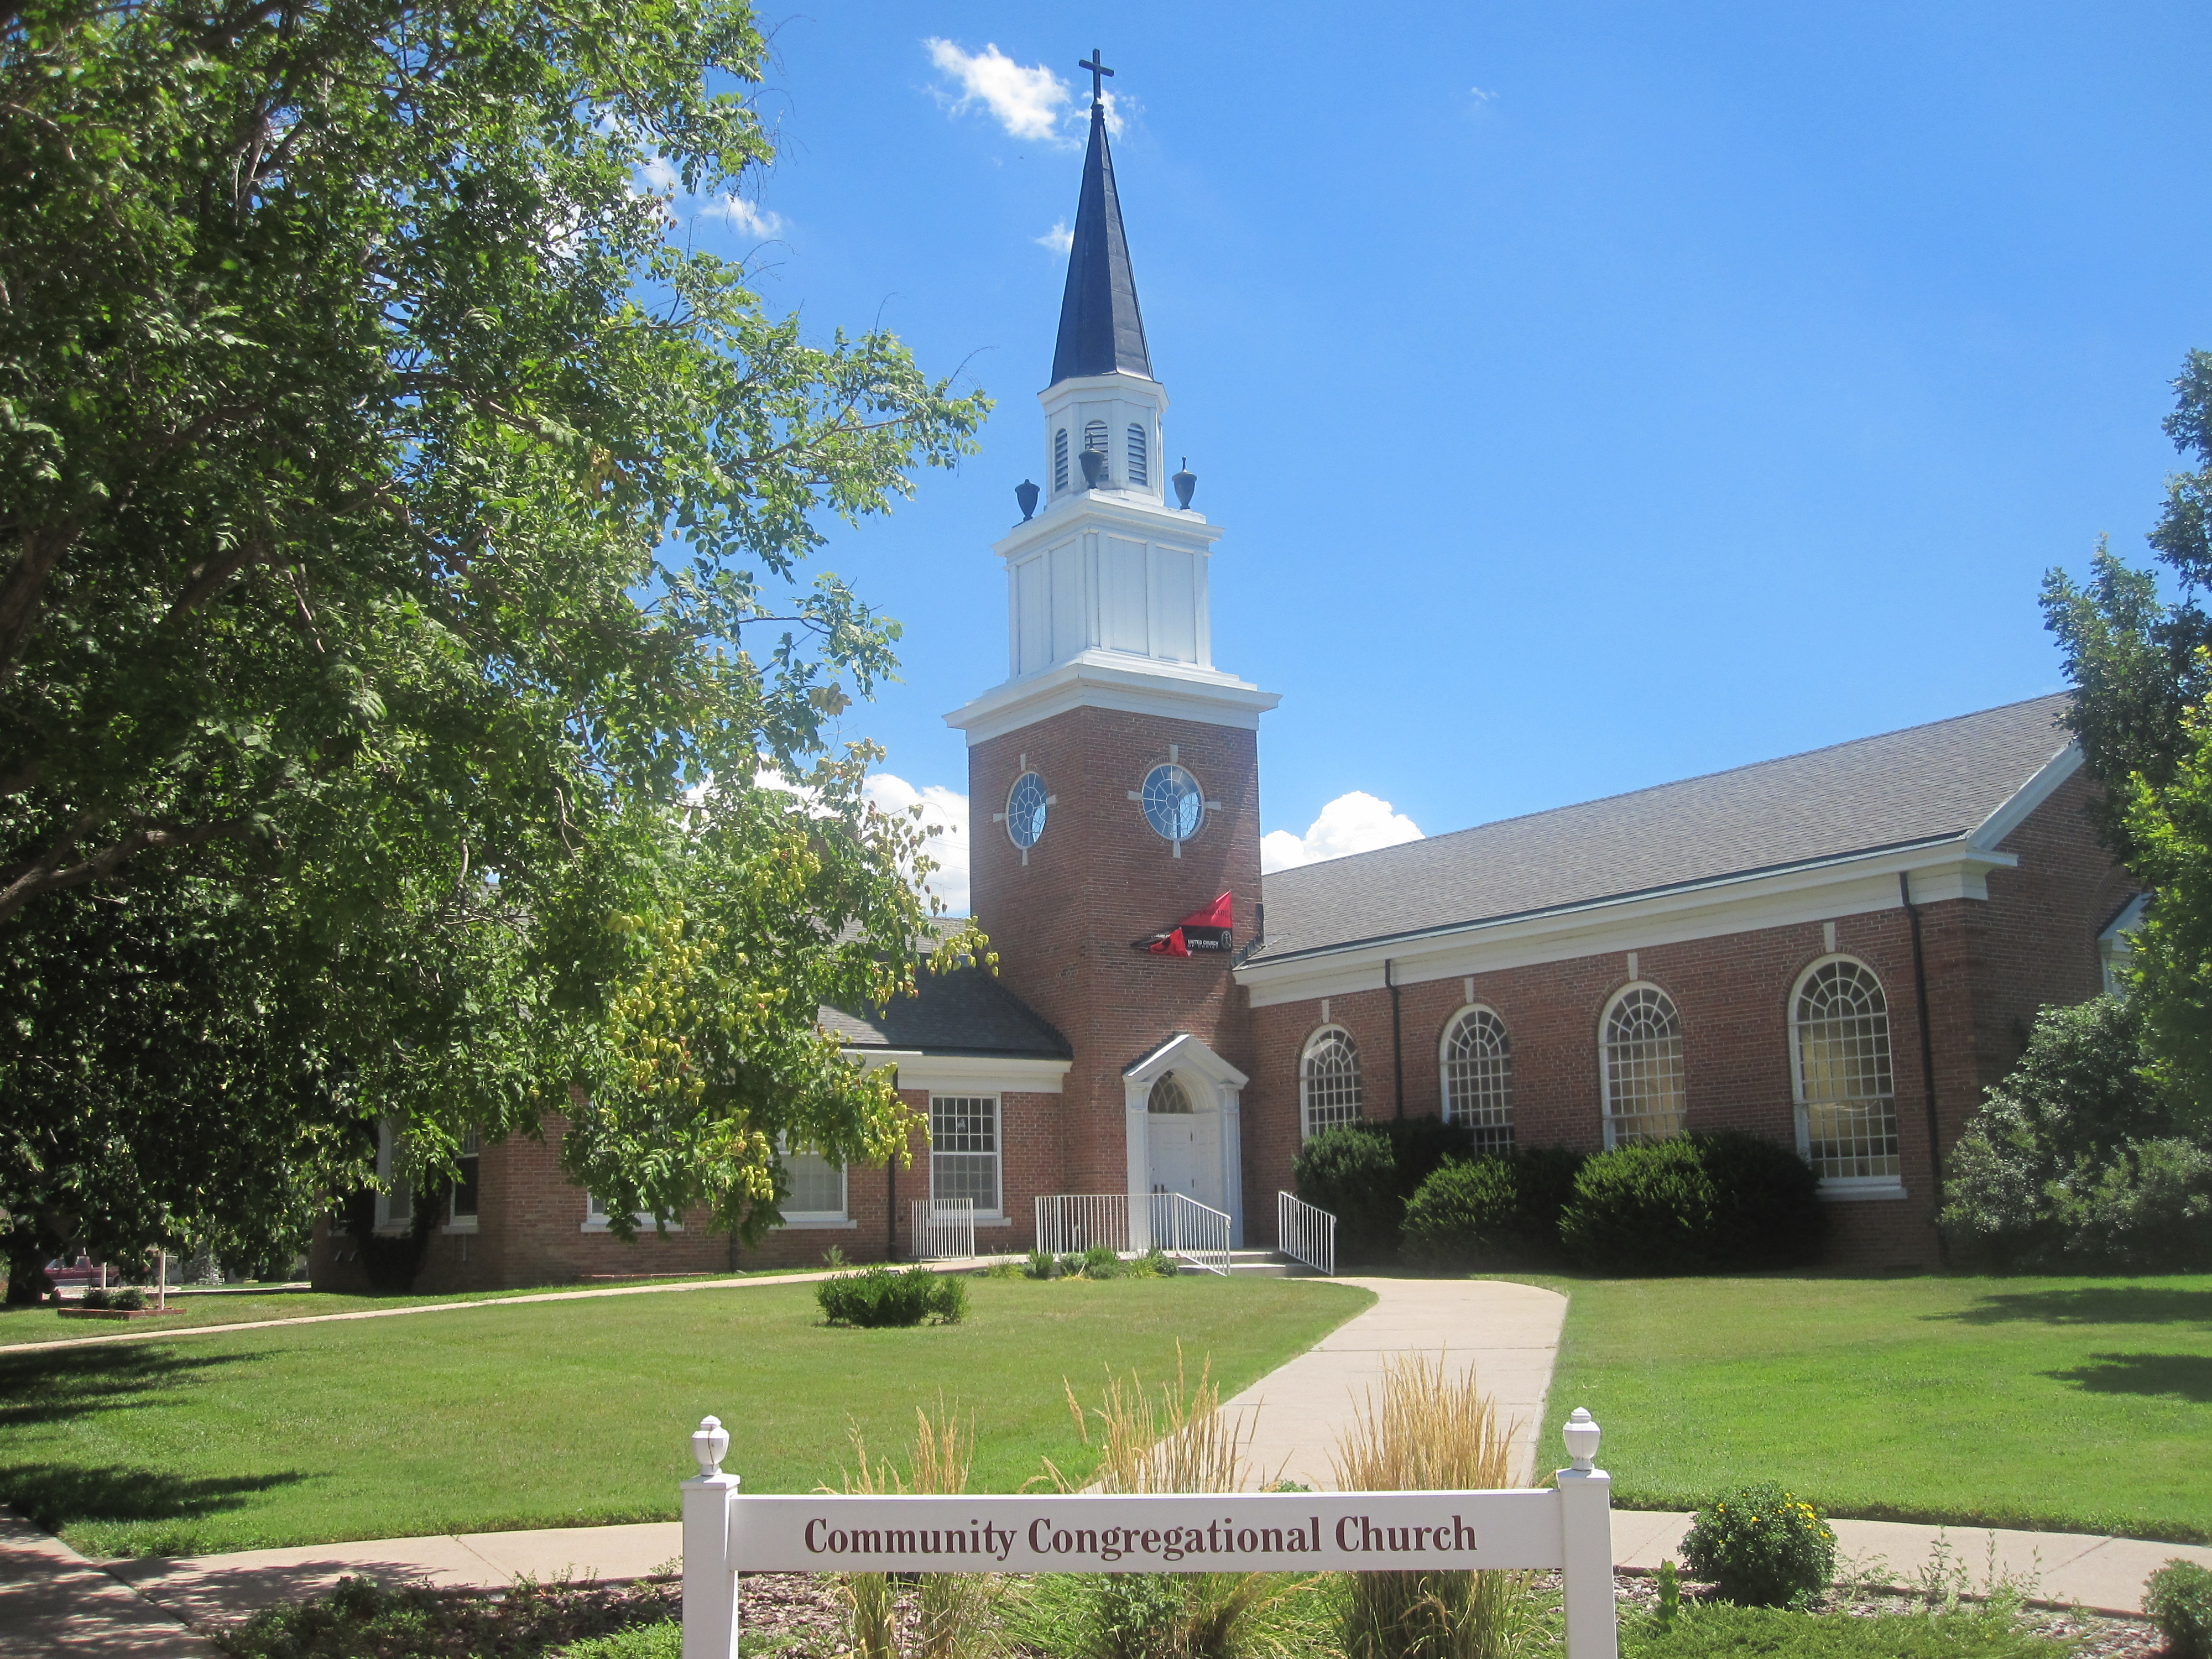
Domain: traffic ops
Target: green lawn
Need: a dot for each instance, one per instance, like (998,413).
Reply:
(2073,1405)
(190,1309)
(573,1414)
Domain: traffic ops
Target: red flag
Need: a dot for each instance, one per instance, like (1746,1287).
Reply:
(1171,946)
(1205,930)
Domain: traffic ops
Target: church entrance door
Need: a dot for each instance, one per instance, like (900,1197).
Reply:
(1184,1144)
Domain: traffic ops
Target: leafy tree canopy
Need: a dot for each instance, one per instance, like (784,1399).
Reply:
(401,537)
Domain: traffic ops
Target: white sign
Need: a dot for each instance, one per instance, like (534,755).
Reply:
(1292,1532)
(1568,1526)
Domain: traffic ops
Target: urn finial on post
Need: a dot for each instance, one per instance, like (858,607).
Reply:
(1581,1433)
(710,1444)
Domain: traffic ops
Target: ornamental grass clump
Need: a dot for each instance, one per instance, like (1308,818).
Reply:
(951,1616)
(877,1297)
(1174,1438)
(1761,1547)
(1429,1432)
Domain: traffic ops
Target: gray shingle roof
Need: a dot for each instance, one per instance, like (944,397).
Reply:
(1927,783)
(965,1012)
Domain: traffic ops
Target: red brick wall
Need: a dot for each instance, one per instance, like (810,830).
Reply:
(1098,879)
(1990,965)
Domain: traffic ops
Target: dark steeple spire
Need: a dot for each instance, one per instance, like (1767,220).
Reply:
(1101,330)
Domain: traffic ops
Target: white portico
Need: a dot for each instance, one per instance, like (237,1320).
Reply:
(1181,1112)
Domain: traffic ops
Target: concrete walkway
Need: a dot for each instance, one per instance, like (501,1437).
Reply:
(55,1602)
(1508,1334)
(152,1334)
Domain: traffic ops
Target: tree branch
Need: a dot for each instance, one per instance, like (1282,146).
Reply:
(48,875)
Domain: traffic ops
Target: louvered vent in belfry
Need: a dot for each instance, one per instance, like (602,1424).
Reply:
(1139,473)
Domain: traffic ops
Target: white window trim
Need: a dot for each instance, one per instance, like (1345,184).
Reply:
(388,1147)
(1607,1114)
(595,1219)
(1313,1040)
(806,1221)
(996,1216)
(466,1223)
(1444,1060)
(1840,1189)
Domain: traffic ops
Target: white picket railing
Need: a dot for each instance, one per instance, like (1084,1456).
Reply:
(1071,1222)
(1305,1234)
(944,1229)
(1181,1225)
(1196,1232)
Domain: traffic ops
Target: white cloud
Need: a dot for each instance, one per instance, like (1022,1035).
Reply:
(943,808)
(1353,822)
(1059,238)
(746,217)
(658,174)
(1028,102)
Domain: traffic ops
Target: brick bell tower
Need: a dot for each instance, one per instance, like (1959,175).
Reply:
(1114,777)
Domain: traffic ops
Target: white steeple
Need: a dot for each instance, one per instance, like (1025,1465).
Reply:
(1106,587)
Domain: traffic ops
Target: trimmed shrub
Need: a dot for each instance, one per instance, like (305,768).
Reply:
(1363,1173)
(1491,1210)
(1695,1204)
(130,1298)
(1761,1547)
(96,1297)
(2078,1160)
(2179,1599)
(876,1297)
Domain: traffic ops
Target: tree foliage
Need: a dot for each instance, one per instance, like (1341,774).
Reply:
(400,546)
(2078,1158)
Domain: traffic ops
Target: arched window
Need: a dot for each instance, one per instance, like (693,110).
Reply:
(1139,472)
(1839,1053)
(1169,1097)
(1478,1068)
(1644,1097)
(1094,436)
(1059,459)
(1328,1080)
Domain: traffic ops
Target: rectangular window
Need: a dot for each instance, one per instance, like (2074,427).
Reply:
(462,1210)
(818,1190)
(964,1149)
(595,1217)
(395,1199)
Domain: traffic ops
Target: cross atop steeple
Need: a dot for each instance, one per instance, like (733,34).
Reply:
(1097,68)
(1101,331)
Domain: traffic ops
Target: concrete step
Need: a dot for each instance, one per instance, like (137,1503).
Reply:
(1261,1264)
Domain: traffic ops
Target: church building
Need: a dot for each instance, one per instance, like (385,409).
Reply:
(1838,951)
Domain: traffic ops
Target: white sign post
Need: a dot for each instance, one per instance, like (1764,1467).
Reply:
(1569,1527)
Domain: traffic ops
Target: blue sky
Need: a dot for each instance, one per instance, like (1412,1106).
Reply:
(1593,396)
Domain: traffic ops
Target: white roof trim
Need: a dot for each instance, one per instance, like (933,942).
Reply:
(990,1075)
(1185,1053)
(2128,919)
(2025,800)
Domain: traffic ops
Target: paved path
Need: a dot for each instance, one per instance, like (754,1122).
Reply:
(54,1604)
(152,1334)
(1508,1333)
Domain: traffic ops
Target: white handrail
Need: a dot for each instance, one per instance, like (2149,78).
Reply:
(1070,1222)
(1197,1232)
(944,1229)
(1305,1234)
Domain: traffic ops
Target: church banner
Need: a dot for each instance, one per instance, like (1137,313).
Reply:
(1201,931)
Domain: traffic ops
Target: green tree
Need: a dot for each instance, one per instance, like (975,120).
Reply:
(2137,659)
(400,538)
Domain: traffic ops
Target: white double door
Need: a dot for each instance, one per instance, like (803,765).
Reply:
(1184,1152)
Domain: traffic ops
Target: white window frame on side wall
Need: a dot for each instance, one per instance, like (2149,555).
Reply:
(1325,1036)
(458,1220)
(1641,990)
(1882,1054)
(819,1220)
(595,1217)
(395,1197)
(996,1151)
(1486,1080)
